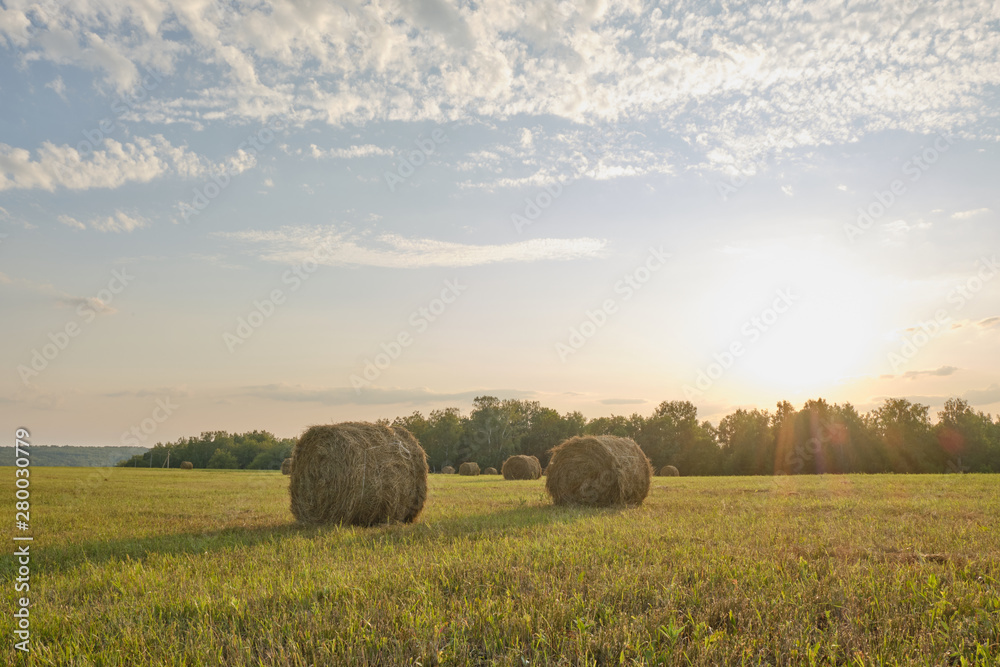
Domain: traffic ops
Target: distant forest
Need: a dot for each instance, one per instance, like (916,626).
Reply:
(68,455)
(897,436)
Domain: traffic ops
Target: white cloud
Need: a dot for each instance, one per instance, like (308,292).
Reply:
(58,86)
(367,150)
(336,247)
(117,222)
(110,167)
(752,79)
(964,215)
(70,221)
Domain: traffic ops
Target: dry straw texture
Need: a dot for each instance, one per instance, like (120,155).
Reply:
(490,471)
(599,471)
(669,471)
(469,468)
(358,473)
(187,465)
(520,466)
(447,470)
(286,467)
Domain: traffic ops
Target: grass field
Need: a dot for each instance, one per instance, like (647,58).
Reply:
(169,567)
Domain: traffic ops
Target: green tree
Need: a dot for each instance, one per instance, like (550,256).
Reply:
(546,429)
(442,437)
(222,459)
(964,437)
(494,429)
(905,431)
(748,443)
(672,435)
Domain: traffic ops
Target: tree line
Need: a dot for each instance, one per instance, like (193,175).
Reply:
(897,436)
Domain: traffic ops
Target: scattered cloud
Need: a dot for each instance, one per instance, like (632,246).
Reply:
(110,167)
(367,150)
(58,87)
(342,247)
(117,222)
(737,82)
(964,215)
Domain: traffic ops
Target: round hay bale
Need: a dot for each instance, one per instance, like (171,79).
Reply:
(490,471)
(359,474)
(520,466)
(187,465)
(447,470)
(469,468)
(599,471)
(286,466)
(669,471)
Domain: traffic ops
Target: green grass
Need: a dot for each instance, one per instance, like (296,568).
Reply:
(201,568)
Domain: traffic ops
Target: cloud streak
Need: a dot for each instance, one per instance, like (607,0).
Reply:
(337,247)
(371,395)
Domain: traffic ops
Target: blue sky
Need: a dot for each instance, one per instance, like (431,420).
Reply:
(598,205)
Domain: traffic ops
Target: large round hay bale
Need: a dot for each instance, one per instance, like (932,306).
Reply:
(286,466)
(470,468)
(359,474)
(600,471)
(520,466)
(669,471)
(490,471)
(447,470)
(187,465)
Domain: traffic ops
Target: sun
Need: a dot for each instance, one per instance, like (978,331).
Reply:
(820,328)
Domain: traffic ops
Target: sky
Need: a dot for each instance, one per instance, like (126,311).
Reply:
(238,216)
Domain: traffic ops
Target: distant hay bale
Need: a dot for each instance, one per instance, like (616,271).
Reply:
(286,466)
(599,471)
(447,470)
(469,468)
(669,471)
(359,474)
(187,465)
(490,471)
(520,466)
